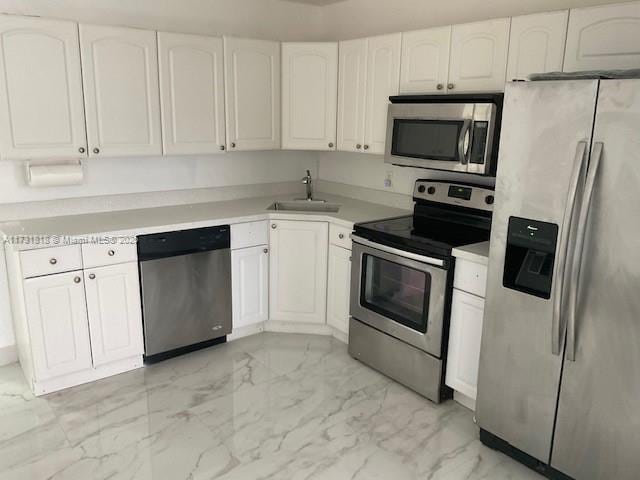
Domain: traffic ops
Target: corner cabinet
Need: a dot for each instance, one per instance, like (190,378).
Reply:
(478,60)
(298,271)
(309,95)
(252,94)
(120,76)
(369,73)
(425,60)
(191,93)
(41,109)
(536,44)
(603,38)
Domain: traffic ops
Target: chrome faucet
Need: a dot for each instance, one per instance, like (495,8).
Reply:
(308,182)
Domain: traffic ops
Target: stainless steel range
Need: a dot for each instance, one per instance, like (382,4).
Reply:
(402,280)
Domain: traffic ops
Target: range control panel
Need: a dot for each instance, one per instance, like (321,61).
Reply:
(470,196)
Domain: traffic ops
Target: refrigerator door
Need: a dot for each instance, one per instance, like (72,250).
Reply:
(547,128)
(598,426)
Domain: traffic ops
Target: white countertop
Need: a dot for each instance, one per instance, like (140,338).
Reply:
(476,252)
(180,217)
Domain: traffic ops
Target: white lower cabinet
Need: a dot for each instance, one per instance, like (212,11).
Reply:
(57,318)
(464,343)
(298,271)
(115,317)
(250,285)
(338,288)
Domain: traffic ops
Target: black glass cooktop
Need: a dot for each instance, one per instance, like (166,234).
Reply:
(432,231)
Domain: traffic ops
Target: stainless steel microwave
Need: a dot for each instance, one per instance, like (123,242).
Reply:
(458,133)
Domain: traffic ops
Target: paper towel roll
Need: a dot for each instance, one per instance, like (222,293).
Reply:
(54,175)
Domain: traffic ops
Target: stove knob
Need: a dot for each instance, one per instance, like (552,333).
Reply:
(421,189)
(431,190)
(489,199)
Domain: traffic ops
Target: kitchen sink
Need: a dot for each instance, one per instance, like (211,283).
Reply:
(304,206)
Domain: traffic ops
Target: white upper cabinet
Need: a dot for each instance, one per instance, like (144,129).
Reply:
(114,312)
(536,44)
(606,37)
(352,74)
(252,94)
(191,93)
(120,75)
(478,59)
(383,78)
(58,329)
(41,111)
(309,95)
(425,60)
(298,271)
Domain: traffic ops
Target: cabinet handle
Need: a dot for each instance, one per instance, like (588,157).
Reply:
(349,257)
(450,86)
(341,236)
(53,261)
(358,146)
(330,144)
(274,226)
(96,150)
(111,253)
(440,86)
(221,147)
(77,279)
(233,145)
(366,147)
(81,150)
(92,276)
(266,250)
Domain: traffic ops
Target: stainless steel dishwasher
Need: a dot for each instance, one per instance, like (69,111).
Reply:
(185,280)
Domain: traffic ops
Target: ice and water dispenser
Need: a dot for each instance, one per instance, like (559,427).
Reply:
(530,256)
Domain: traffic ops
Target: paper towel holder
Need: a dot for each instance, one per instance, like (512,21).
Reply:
(54,173)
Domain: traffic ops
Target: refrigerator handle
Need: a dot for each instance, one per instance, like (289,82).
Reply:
(574,286)
(559,281)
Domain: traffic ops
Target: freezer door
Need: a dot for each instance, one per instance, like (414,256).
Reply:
(546,133)
(598,426)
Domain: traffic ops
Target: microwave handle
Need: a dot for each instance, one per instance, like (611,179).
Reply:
(463,142)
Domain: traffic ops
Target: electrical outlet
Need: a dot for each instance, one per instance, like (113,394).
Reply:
(388,180)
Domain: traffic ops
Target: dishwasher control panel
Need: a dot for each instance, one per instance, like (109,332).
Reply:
(182,242)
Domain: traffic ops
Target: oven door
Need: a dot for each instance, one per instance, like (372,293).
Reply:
(399,293)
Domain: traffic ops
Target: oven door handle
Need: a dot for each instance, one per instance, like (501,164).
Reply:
(395,251)
(463,141)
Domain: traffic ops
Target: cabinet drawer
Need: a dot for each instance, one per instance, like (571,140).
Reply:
(340,236)
(108,253)
(249,234)
(470,277)
(46,261)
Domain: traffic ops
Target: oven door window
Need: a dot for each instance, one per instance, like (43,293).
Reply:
(428,139)
(396,292)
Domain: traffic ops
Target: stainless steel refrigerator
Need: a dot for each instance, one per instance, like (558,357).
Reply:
(559,379)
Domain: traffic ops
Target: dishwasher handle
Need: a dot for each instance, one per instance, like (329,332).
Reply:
(183,242)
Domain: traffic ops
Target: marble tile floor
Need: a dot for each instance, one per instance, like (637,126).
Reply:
(270,406)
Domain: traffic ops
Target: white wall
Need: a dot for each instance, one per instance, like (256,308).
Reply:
(268,19)
(361,18)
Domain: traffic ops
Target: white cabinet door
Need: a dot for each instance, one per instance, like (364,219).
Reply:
(298,271)
(352,75)
(309,95)
(464,343)
(536,44)
(115,312)
(383,78)
(250,285)
(479,56)
(120,76)
(57,318)
(605,37)
(252,94)
(41,110)
(338,287)
(191,93)
(425,60)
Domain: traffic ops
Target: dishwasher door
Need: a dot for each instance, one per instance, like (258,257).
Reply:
(186,299)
